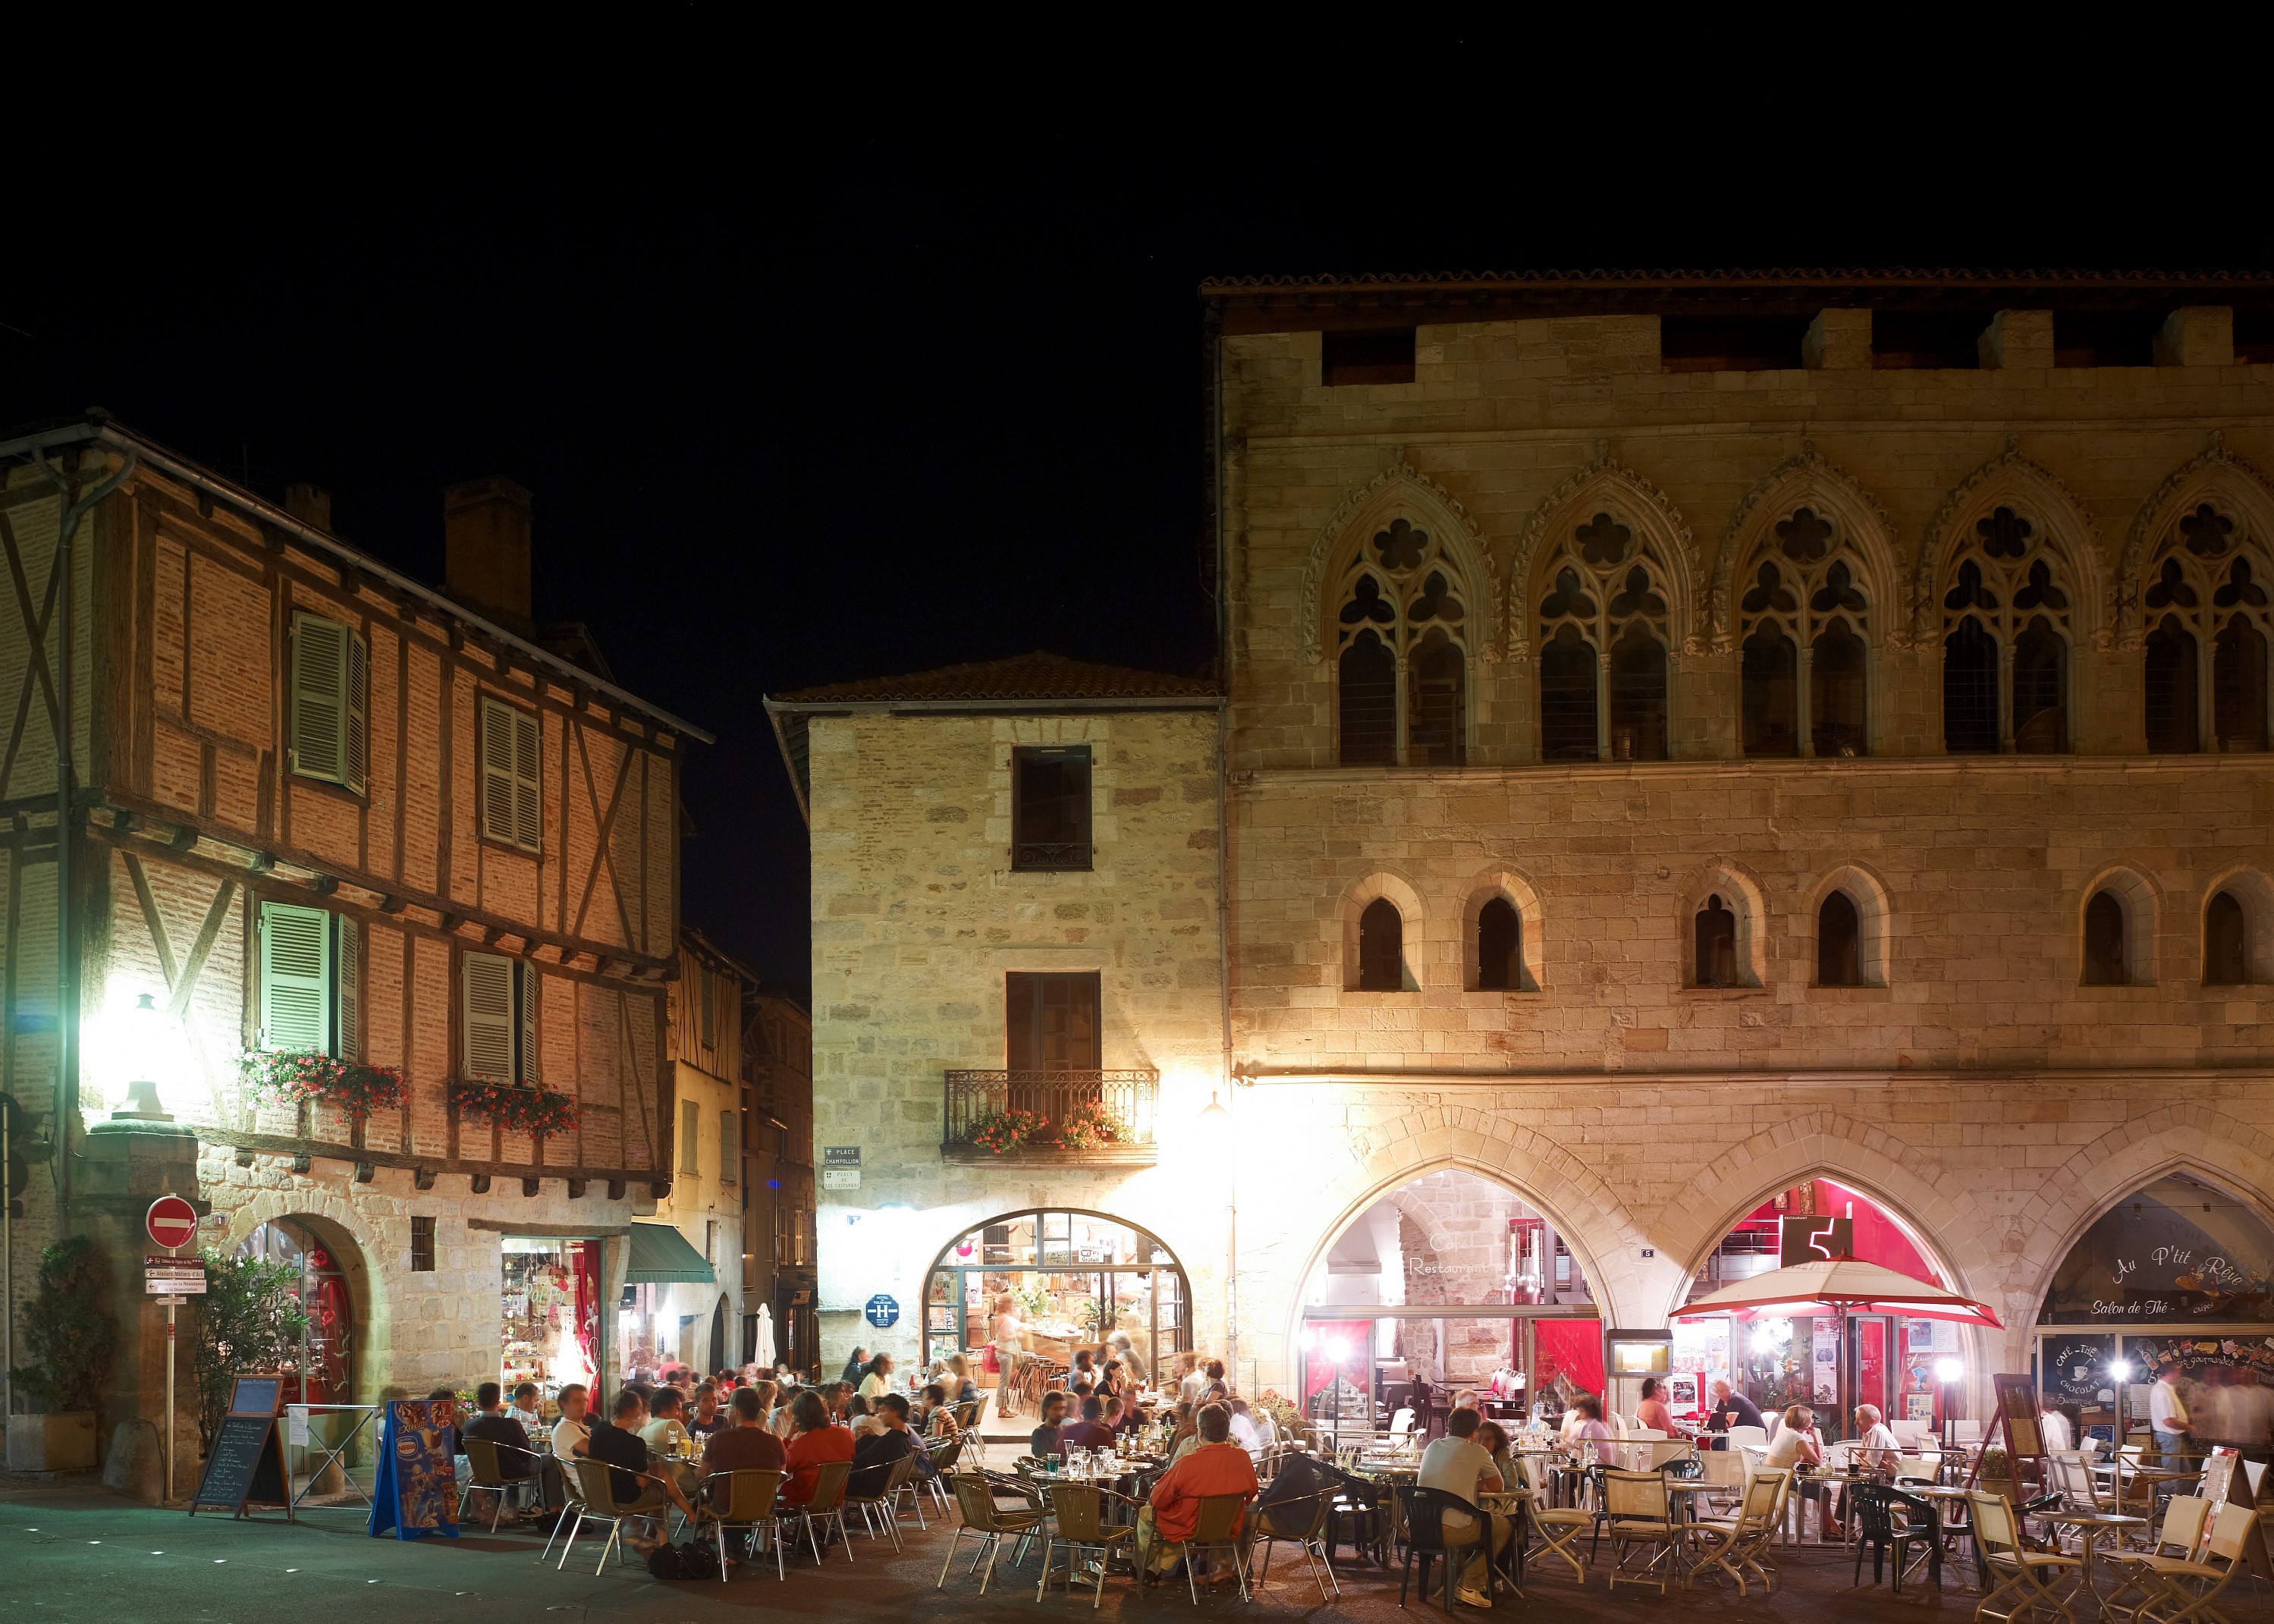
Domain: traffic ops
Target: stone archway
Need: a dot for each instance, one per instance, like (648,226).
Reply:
(335,1222)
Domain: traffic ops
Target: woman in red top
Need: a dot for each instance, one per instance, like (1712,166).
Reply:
(815,1443)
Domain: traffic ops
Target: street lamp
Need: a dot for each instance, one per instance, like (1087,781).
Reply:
(1947,1372)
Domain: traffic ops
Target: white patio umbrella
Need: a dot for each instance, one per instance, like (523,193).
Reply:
(763,1352)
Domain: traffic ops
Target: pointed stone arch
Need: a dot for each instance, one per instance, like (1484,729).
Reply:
(2218,476)
(2014,479)
(1605,485)
(1808,479)
(1399,490)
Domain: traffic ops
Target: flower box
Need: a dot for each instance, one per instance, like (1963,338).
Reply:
(522,1108)
(291,1077)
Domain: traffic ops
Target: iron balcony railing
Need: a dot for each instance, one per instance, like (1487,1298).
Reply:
(1049,1116)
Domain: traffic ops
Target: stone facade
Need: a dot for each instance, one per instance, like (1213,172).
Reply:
(1972,1082)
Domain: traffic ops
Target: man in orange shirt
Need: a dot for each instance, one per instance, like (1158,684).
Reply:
(1172,1511)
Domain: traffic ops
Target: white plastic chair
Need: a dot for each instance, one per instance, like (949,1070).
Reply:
(1743,1437)
(1402,1423)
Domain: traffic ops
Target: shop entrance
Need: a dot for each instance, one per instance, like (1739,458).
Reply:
(328,1345)
(551,1313)
(1448,1283)
(1073,1279)
(2177,1270)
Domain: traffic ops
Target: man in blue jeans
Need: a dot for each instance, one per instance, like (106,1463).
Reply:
(2167,1415)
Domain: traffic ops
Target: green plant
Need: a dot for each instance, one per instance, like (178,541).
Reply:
(68,1329)
(294,1075)
(250,1318)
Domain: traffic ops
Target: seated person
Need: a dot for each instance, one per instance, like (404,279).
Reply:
(1043,1440)
(874,1456)
(618,1442)
(708,1417)
(1877,1447)
(1244,1433)
(529,1407)
(1215,1466)
(666,1432)
(860,1418)
(516,1455)
(1587,1427)
(1458,1465)
(1651,1410)
(1090,1432)
(744,1444)
(815,1442)
(574,1430)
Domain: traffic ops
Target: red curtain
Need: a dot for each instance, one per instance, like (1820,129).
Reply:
(1573,1348)
(586,1257)
(1356,1337)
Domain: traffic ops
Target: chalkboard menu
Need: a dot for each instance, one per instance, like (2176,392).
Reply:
(2075,1368)
(244,1468)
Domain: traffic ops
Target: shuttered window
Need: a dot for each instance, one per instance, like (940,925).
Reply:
(500,1018)
(690,1131)
(311,961)
(511,811)
(728,1152)
(331,688)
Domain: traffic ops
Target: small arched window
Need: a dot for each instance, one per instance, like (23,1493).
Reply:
(1382,947)
(2171,659)
(1717,944)
(2227,942)
(2103,941)
(1839,943)
(1500,947)
(1801,681)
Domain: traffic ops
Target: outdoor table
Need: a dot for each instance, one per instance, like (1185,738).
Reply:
(2151,1475)
(2090,1526)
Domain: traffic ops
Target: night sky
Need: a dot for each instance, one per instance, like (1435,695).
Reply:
(794,414)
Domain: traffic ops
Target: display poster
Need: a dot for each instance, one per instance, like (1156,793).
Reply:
(416,1493)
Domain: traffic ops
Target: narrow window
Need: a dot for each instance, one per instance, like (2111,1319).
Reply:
(1049,809)
(2238,686)
(1717,944)
(729,1155)
(1770,699)
(498,1004)
(1051,1022)
(330,691)
(1567,698)
(1369,702)
(422,1245)
(1382,947)
(2226,945)
(1637,698)
(1436,731)
(2103,941)
(1500,947)
(512,808)
(310,964)
(690,1138)
(1970,691)
(2170,660)
(1839,943)
(2040,690)
(1835,693)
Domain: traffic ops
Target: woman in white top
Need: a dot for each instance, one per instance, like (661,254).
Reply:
(1795,1443)
(1009,1337)
(877,1380)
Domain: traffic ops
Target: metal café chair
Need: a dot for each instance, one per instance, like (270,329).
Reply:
(826,1506)
(1078,1527)
(879,1505)
(1427,1540)
(987,1522)
(1301,1523)
(486,1471)
(572,1502)
(750,1507)
(1217,1528)
(599,1504)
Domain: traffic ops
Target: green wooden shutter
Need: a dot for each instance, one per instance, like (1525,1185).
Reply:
(525,1060)
(487,981)
(296,963)
(350,960)
(527,809)
(357,741)
(497,772)
(320,698)
(729,1143)
(690,1133)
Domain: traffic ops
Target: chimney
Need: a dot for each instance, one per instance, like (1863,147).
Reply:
(311,504)
(485,549)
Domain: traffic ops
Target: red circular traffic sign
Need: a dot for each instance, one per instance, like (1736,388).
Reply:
(171,1222)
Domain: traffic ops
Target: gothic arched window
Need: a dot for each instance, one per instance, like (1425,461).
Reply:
(2103,941)
(2206,608)
(1402,660)
(1716,959)
(1805,619)
(1605,627)
(2005,626)
(1839,943)
(1382,947)
(1500,947)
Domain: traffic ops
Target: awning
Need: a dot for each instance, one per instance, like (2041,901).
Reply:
(660,1253)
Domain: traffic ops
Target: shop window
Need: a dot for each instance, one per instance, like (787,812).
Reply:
(2170,660)
(1839,943)
(499,1001)
(512,804)
(2103,941)
(422,1245)
(1716,945)
(1770,698)
(330,693)
(1049,809)
(2227,942)
(1382,947)
(310,981)
(690,1138)
(1051,1022)
(1500,947)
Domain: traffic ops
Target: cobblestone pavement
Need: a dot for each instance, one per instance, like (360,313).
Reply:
(74,1554)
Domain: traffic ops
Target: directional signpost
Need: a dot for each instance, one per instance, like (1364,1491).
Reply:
(172,1280)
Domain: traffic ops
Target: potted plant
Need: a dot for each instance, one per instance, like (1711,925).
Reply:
(69,1331)
(291,1077)
(250,1319)
(522,1108)
(1008,1130)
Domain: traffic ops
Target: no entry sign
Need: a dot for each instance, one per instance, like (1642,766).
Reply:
(171,1222)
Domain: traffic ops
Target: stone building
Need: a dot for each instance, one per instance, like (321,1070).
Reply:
(317,809)
(1699,753)
(779,1248)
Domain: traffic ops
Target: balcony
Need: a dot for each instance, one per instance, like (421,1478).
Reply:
(1062,1118)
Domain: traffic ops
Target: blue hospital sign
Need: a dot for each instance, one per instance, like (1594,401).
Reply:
(882,1311)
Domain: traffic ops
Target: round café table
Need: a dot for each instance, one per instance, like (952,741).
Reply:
(2090,1526)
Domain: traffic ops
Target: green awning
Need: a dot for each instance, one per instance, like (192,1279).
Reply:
(661,1253)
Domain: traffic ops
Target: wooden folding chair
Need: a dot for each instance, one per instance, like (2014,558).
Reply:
(2026,1579)
(1638,1512)
(1558,1527)
(2182,1591)
(2180,1538)
(1740,1546)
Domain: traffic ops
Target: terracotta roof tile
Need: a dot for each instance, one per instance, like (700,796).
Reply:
(1040,675)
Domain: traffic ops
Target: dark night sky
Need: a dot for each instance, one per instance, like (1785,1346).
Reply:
(796,414)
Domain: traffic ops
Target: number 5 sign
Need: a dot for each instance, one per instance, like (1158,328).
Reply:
(1815,1240)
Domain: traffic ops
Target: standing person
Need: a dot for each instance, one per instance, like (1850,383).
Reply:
(1043,1440)
(1457,1464)
(1172,1511)
(2167,1414)
(876,1379)
(1651,1410)
(1008,1337)
(744,1444)
(1731,1409)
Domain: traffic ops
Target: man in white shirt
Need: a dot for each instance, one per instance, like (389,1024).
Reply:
(528,1403)
(1877,1447)
(1244,1433)
(666,1432)
(1457,1464)
(2167,1415)
(2052,1432)
(572,1431)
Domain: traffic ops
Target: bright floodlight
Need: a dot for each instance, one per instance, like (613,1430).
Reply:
(2121,1369)
(1337,1349)
(1947,1371)
(1764,1341)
